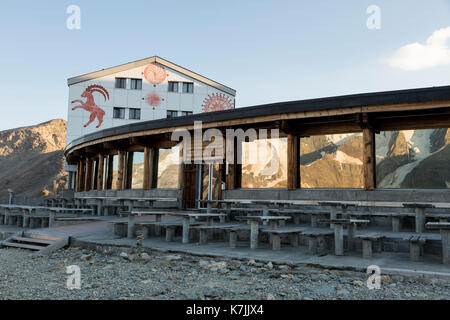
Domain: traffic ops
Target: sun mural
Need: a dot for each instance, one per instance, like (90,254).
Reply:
(155,73)
(153,100)
(217,102)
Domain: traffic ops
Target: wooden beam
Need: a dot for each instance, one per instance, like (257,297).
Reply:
(80,176)
(88,182)
(369,158)
(101,163)
(146,178)
(293,162)
(129,171)
(120,170)
(154,168)
(109,175)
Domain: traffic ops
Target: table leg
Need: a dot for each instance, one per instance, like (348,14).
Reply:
(333,215)
(185,230)
(445,239)
(339,239)
(420,219)
(157,227)
(26,219)
(351,233)
(130,226)
(254,233)
(99,208)
(51,220)
(5,218)
(265,214)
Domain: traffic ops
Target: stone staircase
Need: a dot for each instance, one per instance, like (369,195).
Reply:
(40,243)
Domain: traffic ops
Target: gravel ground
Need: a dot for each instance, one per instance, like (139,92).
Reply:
(155,275)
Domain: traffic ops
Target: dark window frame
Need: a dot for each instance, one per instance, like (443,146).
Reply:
(136,81)
(171,114)
(133,112)
(121,112)
(188,85)
(121,81)
(171,85)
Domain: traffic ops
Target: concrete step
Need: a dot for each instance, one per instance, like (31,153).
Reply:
(22,246)
(33,240)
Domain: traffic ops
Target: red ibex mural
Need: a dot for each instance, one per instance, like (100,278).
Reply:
(90,105)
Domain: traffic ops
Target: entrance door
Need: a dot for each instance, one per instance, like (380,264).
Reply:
(190,186)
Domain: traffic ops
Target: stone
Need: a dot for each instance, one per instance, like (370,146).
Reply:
(173,257)
(251,262)
(270,297)
(284,267)
(123,255)
(270,265)
(358,283)
(173,277)
(145,256)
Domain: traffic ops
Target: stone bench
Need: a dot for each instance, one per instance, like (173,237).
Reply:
(275,235)
(416,243)
(119,228)
(233,231)
(368,241)
(313,236)
(295,213)
(204,229)
(395,217)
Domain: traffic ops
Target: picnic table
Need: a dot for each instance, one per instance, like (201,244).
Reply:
(444,228)
(338,225)
(131,221)
(419,209)
(188,216)
(254,226)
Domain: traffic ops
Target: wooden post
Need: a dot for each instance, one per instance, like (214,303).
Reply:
(88,185)
(109,175)
(369,158)
(129,171)
(80,176)
(293,175)
(101,163)
(120,170)
(154,168)
(146,179)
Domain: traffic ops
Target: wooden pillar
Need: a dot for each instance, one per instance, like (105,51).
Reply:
(293,174)
(129,170)
(101,163)
(146,178)
(234,177)
(88,182)
(369,158)
(154,168)
(120,170)
(109,175)
(80,176)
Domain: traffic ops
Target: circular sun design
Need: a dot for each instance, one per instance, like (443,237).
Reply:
(217,102)
(155,73)
(153,100)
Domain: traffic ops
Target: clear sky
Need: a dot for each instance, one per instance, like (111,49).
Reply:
(267,50)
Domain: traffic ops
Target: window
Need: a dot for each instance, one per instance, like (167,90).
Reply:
(173,86)
(135,114)
(172,113)
(121,83)
(188,87)
(119,113)
(136,84)
(186,113)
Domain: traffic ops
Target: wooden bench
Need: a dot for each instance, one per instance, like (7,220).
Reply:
(275,234)
(313,236)
(368,241)
(416,243)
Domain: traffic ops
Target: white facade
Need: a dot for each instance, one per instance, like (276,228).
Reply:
(153,99)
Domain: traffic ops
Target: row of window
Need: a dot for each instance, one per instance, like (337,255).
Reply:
(136,84)
(135,113)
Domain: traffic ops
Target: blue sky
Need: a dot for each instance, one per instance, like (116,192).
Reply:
(267,50)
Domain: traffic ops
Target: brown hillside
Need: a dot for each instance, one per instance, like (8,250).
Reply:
(31,158)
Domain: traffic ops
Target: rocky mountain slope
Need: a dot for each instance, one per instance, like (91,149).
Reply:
(31,158)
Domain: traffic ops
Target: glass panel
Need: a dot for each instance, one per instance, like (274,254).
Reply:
(168,168)
(137,175)
(115,172)
(416,159)
(332,161)
(267,155)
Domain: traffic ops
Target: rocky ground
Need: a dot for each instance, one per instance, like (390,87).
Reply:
(154,275)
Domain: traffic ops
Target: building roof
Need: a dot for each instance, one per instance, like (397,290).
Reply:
(368,101)
(143,62)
